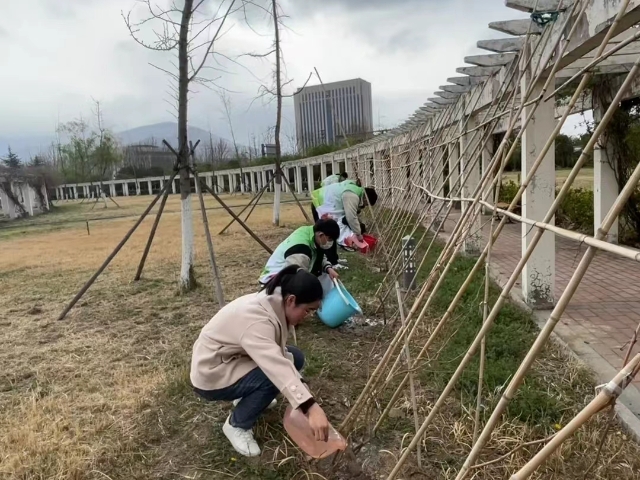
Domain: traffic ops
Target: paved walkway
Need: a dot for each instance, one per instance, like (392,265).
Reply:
(604,312)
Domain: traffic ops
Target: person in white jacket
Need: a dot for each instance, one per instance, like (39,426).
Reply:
(331,179)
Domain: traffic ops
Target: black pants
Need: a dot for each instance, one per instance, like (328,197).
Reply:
(332,255)
(255,390)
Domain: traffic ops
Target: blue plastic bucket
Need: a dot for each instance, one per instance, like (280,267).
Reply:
(338,306)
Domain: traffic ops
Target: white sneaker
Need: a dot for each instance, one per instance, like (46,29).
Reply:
(241,440)
(271,406)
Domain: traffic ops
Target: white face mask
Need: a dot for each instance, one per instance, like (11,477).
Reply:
(327,246)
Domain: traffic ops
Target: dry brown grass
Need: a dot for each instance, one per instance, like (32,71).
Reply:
(70,390)
(105,393)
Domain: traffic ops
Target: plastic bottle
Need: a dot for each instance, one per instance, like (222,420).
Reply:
(297,426)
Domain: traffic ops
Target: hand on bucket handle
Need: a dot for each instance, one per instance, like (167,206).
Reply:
(339,287)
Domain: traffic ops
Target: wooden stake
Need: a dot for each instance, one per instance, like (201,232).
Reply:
(114,253)
(255,200)
(218,292)
(412,388)
(152,234)
(237,219)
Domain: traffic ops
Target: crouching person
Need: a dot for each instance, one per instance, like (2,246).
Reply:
(242,356)
(311,248)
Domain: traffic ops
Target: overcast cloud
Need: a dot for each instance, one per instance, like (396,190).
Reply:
(58,55)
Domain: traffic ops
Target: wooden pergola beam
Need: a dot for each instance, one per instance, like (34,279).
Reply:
(502,45)
(496,60)
(516,27)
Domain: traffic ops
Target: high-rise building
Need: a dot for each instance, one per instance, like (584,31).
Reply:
(326,114)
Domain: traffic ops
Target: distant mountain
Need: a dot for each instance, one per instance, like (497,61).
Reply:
(28,146)
(164,131)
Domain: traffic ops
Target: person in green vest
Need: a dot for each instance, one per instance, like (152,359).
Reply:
(331,179)
(343,202)
(307,248)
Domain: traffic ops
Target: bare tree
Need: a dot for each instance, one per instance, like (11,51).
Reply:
(183,30)
(276,91)
(278,80)
(220,151)
(226,105)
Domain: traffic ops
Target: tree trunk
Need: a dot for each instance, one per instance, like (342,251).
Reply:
(278,182)
(187,276)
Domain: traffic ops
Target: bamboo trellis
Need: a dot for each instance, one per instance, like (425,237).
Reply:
(447,158)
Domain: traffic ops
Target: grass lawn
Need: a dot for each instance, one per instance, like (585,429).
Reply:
(583,180)
(105,393)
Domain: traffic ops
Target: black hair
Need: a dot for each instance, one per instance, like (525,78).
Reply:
(344,175)
(329,227)
(293,280)
(372,196)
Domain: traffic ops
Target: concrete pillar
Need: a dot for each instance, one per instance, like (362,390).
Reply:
(45,198)
(310,179)
(299,188)
(242,182)
(74,189)
(454,170)
(323,171)
(150,187)
(232,183)
(538,276)
(605,185)
(27,195)
(137,188)
(470,177)
(112,189)
(173,186)
(8,207)
(335,167)
(487,156)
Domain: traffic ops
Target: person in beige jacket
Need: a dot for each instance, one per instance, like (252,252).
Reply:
(242,356)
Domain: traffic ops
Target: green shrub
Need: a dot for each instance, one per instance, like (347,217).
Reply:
(576,211)
(508,191)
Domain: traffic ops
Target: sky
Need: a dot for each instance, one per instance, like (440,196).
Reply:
(64,55)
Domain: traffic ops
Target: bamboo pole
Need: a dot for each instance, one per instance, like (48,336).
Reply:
(454,239)
(255,199)
(152,234)
(217,284)
(237,219)
(577,275)
(447,254)
(412,388)
(607,396)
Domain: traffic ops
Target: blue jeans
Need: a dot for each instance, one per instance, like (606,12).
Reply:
(255,390)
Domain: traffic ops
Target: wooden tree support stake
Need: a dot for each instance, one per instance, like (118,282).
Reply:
(237,219)
(254,201)
(115,251)
(152,234)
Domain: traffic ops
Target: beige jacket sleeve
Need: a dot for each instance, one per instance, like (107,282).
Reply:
(257,341)
(351,202)
(299,259)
